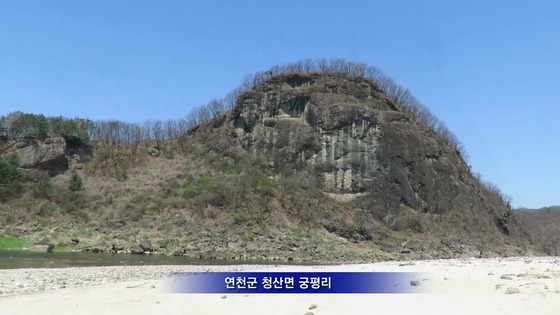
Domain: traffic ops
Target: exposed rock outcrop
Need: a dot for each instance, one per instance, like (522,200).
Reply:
(362,148)
(42,247)
(49,155)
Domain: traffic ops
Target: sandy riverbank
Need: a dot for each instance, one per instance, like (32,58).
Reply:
(519,285)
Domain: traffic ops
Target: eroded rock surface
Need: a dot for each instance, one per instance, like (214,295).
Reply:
(49,155)
(362,148)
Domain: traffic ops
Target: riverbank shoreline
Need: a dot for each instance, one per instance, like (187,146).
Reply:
(514,285)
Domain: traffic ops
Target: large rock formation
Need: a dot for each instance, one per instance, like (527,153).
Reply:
(362,148)
(48,156)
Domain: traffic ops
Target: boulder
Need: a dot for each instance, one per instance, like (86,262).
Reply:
(98,248)
(136,250)
(42,247)
(163,243)
(154,151)
(146,245)
(118,246)
(512,290)
(179,252)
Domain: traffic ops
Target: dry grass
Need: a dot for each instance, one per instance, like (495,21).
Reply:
(202,202)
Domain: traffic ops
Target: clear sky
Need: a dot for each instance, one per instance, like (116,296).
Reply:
(489,69)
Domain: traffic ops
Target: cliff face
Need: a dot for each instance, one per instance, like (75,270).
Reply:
(48,155)
(362,148)
(46,158)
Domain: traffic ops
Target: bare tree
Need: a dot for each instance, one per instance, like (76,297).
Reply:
(182,126)
(216,107)
(154,130)
(308,65)
(323,65)
(358,69)
(339,65)
(398,93)
(191,119)
(373,73)
(231,98)
(170,129)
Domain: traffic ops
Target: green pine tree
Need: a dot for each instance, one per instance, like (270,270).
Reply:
(76,182)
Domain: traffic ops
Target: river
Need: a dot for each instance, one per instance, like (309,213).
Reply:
(11,259)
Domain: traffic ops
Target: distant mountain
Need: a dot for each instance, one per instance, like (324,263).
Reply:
(544,224)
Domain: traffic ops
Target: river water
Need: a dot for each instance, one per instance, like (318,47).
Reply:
(28,259)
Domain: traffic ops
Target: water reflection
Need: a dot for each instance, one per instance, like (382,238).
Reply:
(27,259)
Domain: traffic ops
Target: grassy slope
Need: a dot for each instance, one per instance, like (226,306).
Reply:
(194,202)
(190,201)
(7,242)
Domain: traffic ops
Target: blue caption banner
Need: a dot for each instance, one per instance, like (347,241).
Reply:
(296,282)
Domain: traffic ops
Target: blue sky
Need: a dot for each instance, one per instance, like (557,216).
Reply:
(489,69)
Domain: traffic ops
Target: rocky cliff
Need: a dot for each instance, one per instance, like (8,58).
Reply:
(49,155)
(46,158)
(363,149)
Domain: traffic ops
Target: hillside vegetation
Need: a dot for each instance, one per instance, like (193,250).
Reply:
(189,201)
(231,179)
(544,224)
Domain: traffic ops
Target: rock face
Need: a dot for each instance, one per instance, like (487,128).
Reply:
(42,247)
(362,148)
(49,155)
(136,249)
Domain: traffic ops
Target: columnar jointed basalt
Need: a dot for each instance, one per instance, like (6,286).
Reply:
(359,144)
(329,122)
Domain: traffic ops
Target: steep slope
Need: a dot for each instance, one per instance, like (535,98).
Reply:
(544,224)
(365,150)
(306,166)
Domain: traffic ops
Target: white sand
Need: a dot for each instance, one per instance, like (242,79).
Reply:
(468,286)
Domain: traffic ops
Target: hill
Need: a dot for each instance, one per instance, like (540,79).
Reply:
(304,165)
(343,135)
(544,225)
